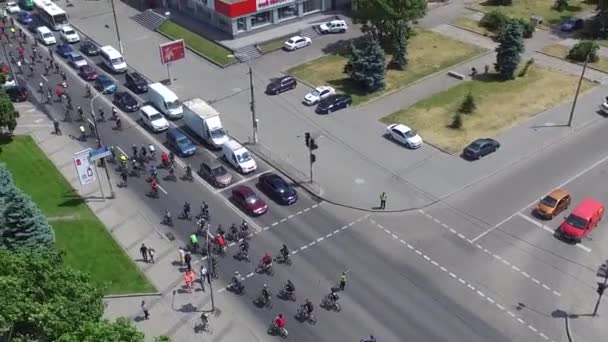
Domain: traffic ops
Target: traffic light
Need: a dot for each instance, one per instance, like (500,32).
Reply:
(313,158)
(313,145)
(600,288)
(603,270)
(307,139)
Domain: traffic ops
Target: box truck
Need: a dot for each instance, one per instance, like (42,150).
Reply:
(204,121)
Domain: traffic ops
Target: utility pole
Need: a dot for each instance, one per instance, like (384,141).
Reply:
(312,145)
(99,144)
(253,117)
(117,29)
(578,89)
(603,273)
(209,272)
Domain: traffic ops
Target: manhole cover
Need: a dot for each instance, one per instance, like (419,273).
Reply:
(359,181)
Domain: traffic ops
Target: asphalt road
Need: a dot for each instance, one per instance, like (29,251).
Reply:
(395,300)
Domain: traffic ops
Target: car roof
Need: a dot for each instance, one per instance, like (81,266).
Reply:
(176,132)
(558,194)
(337,21)
(212,163)
(587,208)
(401,127)
(323,87)
(66,28)
(149,110)
(295,37)
(243,190)
(274,178)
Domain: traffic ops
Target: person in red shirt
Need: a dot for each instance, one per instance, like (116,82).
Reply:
(267,259)
(219,239)
(154,186)
(20,51)
(280,321)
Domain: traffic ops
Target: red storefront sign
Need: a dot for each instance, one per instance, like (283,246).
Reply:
(235,9)
(172,51)
(263,4)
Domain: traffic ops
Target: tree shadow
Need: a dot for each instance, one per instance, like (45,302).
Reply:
(490,77)
(74,202)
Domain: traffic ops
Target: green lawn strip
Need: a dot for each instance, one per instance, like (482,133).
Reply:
(85,241)
(543,8)
(500,105)
(561,51)
(428,53)
(273,45)
(472,25)
(200,44)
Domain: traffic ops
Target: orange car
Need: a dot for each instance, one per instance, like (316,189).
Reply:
(553,204)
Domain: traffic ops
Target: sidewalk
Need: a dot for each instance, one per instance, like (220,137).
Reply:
(173,311)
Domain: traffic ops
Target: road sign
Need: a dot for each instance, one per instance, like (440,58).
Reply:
(84,168)
(172,51)
(99,153)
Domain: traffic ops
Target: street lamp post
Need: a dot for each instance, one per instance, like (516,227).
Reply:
(578,89)
(254,120)
(117,29)
(603,273)
(99,144)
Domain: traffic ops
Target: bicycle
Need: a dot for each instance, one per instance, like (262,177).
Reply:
(204,325)
(302,315)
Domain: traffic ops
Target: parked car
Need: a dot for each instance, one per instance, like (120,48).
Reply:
(25,17)
(318,94)
(76,60)
(553,204)
(249,201)
(604,107)
(480,148)
(136,82)
(12,7)
(277,188)
(87,73)
(281,84)
(152,119)
(215,173)
(334,26)
(296,42)
(105,84)
(583,219)
(404,135)
(16,93)
(333,103)
(572,24)
(89,48)
(63,49)
(126,101)
(69,35)
(180,143)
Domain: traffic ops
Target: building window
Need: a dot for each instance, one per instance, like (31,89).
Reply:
(261,19)
(311,6)
(287,12)
(241,24)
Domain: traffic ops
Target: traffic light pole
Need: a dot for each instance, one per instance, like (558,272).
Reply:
(603,272)
(312,145)
(310,157)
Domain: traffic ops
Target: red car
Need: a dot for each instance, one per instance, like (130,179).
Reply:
(581,221)
(88,73)
(249,200)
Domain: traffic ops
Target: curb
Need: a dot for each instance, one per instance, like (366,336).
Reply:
(572,62)
(223,66)
(133,295)
(469,30)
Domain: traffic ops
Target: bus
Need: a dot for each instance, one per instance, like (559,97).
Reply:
(51,14)
(27,5)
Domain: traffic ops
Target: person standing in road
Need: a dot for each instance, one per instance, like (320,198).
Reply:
(383,200)
(342,281)
(182,255)
(204,276)
(144,252)
(56,126)
(151,252)
(188,259)
(144,308)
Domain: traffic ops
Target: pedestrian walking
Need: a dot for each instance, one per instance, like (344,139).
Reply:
(144,308)
(342,281)
(204,275)
(56,126)
(51,52)
(151,252)
(182,255)
(189,279)
(123,177)
(144,252)
(188,260)
(383,200)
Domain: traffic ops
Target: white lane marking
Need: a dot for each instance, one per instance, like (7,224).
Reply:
(274,223)
(320,239)
(587,169)
(290,216)
(545,228)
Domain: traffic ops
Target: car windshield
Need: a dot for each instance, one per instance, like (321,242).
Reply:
(117,60)
(476,146)
(243,157)
(77,58)
(549,201)
(410,134)
(60,19)
(315,93)
(251,199)
(576,222)
(69,32)
(291,41)
(155,117)
(217,133)
(183,141)
(219,171)
(47,35)
(174,104)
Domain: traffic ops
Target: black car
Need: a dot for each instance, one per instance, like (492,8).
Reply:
(480,147)
(281,84)
(333,103)
(125,101)
(136,82)
(17,93)
(89,48)
(277,188)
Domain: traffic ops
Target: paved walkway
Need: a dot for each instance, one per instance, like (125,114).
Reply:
(173,311)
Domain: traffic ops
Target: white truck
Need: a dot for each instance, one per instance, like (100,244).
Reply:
(204,121)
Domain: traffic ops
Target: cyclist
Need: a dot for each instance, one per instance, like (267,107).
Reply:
(267,260)
(188,171)
(154,187)
(219,230)
(186,211)
(123,176)
(284,252)
(172,172)
(236,279)
(308,307)
(172,158)
(167,217)
(290,287)
(205,319)
(165,159)
(234,232)
(221,243)
(279,321)
(88,90)
(266,295)
(144,151)
(115,115)
(123,160)
(244,246)
(370,339)
(333,297)
(118,123)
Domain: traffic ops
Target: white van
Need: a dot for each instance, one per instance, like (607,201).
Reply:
(238,157)
(112,59)
(45,36)
(165,100)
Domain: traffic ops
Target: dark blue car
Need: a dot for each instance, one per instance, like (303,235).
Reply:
(105,84)
(24,17)
(63,50)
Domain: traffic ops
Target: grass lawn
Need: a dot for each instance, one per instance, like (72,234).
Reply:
(544,8)
(561,51)
(429,52)
(88,246)
(500,105)
(472,25)
(273,45)
(200,44)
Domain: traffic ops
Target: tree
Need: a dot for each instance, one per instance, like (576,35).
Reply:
(42,299)
(456,121)
(586,49)
(162,339)
(561,5)
(400,60)
(22,224)
(121,330)
(6,182)
(468,105)
(8,114)
(367,64)
(509,50)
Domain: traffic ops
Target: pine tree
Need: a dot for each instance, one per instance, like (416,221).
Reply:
(400,60)
(456,121)
(8,114)
(22,224)
(468,105)
(561,5)
(368,65)
(508,52)
(6,182)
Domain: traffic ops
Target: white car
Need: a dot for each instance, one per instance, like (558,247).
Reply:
(297,42)
(12,7)
(318,94)
(604,108)
(69,35)
(153,119)
(76,60)
(404,135)
(334,26)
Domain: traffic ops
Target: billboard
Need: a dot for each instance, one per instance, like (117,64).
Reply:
(264,4)
(172,51)
(84,168)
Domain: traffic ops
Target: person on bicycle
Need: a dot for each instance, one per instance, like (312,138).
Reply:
(308,307)
(219,240)
(244,246)
(244,226)
(186,209)
(188,170)
(88,90)
(219,230)
(266,295)
(279,321)
(204,209)
(118,123)
(236,279)
(234,230)
(205,318)
(333,297)
(172,171)
(284,252)
(143,151)
(154,185)
(164,158)
(290,287)
(115,115)
(267,260)
(370,339)
(172,157)
(123,160)
(101,114)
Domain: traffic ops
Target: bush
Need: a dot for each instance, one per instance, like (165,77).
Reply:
(456,121)
(468,105)
(526,27)
(583,50)
(561,5)
(494,21)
